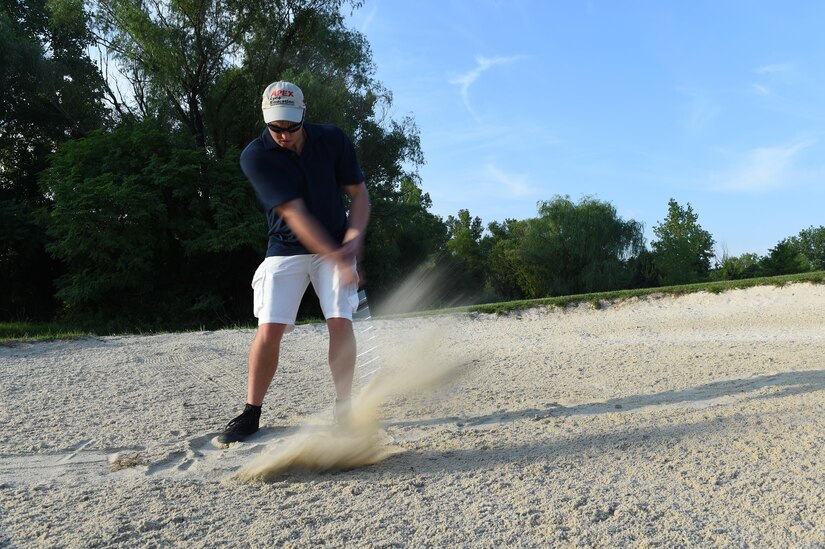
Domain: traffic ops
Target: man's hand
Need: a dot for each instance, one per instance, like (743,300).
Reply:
(345,263)
(316,239)
(359,216)
(353,243)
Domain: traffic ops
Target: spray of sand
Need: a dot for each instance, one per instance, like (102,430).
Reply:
(419,367)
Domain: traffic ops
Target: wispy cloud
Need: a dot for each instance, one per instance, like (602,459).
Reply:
(774,68)
(775,74)
(513,185)
(763,169)
(531,135)
(369,18)
(702,112)
(466,80)
(701,109)
(760,89)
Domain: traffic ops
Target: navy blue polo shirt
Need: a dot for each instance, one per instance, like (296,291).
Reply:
(326,163)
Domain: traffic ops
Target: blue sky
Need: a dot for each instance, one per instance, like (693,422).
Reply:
(720,104)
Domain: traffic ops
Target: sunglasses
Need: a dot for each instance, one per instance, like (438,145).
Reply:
(289,129)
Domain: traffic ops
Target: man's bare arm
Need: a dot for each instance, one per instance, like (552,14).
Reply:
(315,237)
(359,217)
(309,231)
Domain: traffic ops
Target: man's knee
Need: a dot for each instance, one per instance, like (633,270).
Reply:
(339,326)
(270,334)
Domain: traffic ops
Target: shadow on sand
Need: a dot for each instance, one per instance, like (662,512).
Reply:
(471,459)
(790,383)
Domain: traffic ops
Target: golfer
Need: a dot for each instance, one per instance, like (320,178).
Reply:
(300,172)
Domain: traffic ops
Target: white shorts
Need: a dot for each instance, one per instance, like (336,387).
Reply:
(280,282)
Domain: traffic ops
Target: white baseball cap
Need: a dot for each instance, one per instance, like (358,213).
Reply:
(283,101)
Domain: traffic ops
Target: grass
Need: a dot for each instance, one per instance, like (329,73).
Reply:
(598,298)
(16,332)
(11,332)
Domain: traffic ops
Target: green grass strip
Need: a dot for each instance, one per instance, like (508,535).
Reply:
(597,298)
(15,332)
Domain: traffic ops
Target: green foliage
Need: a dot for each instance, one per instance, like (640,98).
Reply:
(136,226)
(576,247)
(504,264)
(795,254)
(783,259)
(235,221)
(50,91)
(738,267)
(110,215)
(26,271)
(571,247)
(811,243)
(173,54)
(683,250)
(643,269)
(403,235)
(202,66)
(464,249)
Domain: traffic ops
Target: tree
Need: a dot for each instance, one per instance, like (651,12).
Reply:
(50,91)
(402,237)
(196,71)
(500,249)
(134,234)
(643,266)
(464,249)
(811,243)
(577,247)
(683,250)
(174,54)
(203,64)
(784,258)
(738,267)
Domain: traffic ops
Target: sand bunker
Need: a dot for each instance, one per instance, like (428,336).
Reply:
(691,421)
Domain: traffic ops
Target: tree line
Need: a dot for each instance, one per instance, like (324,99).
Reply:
(122,203)
(582,247)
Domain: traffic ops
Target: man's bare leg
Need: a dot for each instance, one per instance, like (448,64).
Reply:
(341,355)
(263,361)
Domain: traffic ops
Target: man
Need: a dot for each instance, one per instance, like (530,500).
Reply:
(299,171)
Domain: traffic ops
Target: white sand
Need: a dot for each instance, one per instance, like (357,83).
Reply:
(691,421)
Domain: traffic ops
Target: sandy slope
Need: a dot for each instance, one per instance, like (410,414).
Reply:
(693,421)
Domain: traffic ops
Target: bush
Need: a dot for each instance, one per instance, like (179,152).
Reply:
(738,268)
(784,258)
